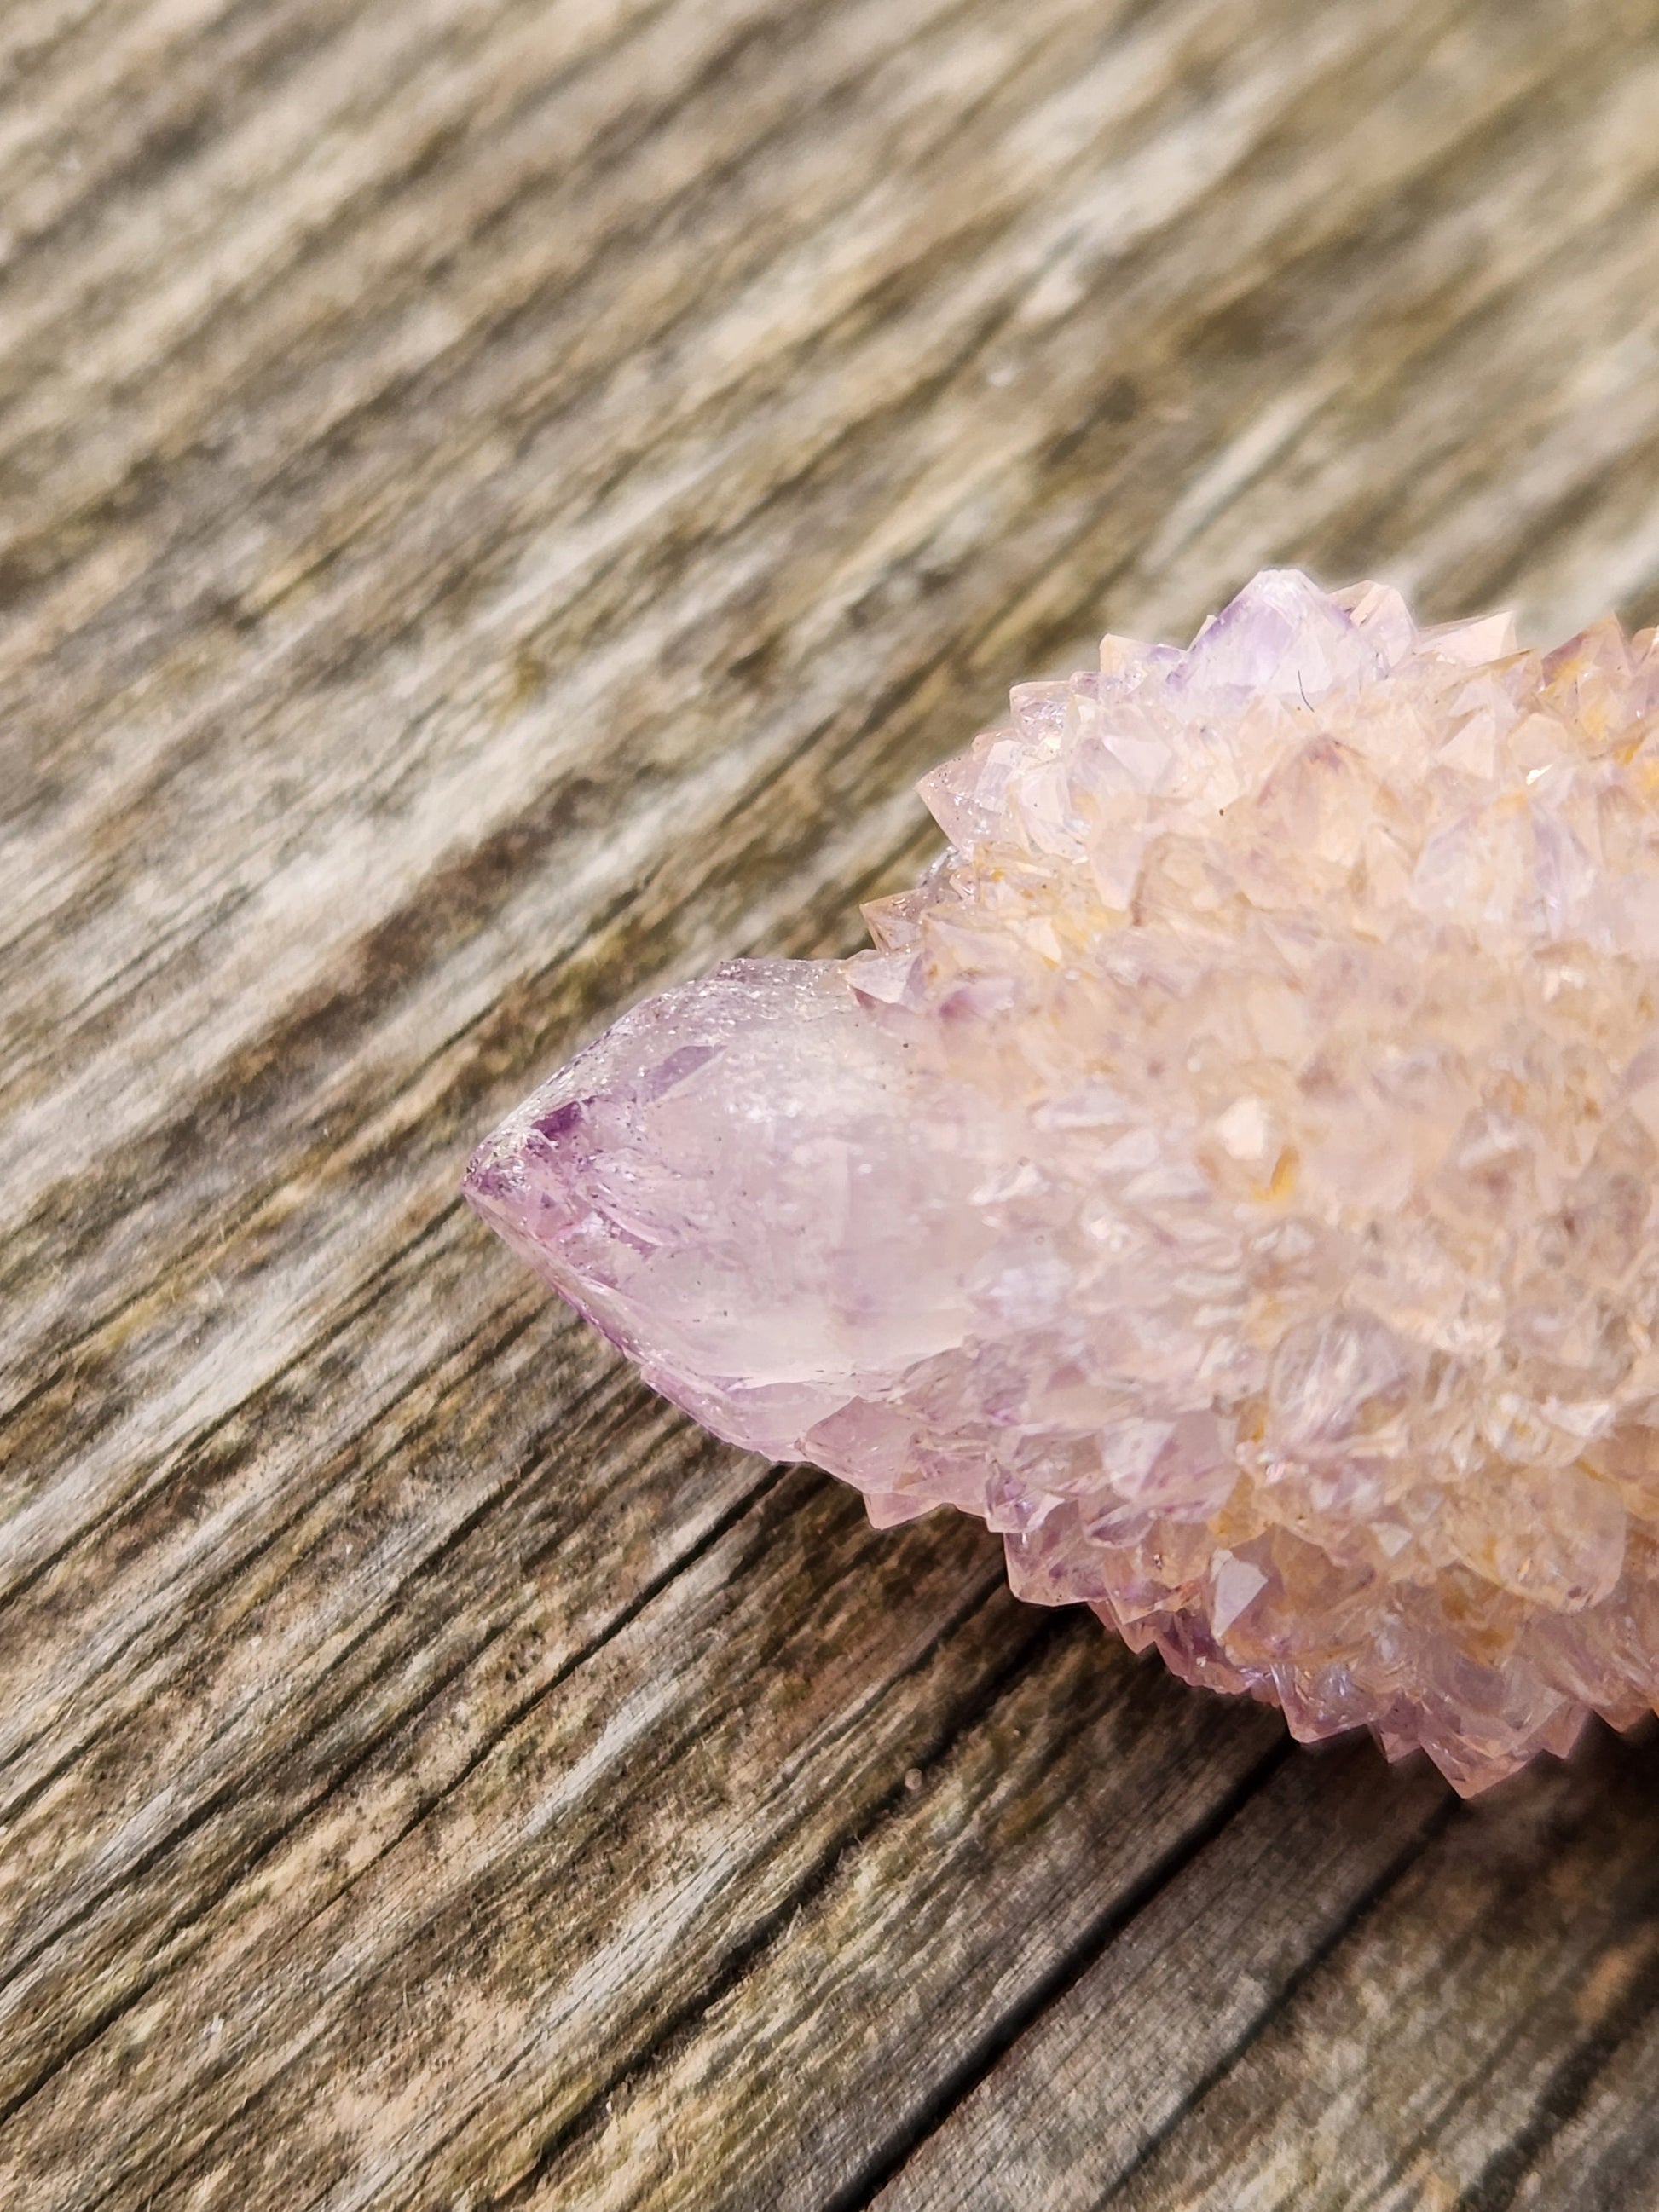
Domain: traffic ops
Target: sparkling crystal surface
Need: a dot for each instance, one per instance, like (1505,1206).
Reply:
(1231,1175)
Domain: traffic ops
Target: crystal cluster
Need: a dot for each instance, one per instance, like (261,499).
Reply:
(1231,1175)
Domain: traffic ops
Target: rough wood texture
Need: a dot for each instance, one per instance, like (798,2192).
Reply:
(498,501)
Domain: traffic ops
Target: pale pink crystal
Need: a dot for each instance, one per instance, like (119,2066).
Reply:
(1231,1175)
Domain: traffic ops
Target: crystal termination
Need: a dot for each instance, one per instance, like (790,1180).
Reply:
(1231,1175)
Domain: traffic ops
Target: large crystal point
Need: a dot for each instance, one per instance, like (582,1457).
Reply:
(1231,1175)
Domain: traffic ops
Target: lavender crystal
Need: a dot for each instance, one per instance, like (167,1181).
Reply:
(1231,1175)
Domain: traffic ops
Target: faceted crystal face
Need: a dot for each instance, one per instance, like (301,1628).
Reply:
(1230,1174)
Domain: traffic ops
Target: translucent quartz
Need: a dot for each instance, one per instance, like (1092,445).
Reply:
(1231,1175)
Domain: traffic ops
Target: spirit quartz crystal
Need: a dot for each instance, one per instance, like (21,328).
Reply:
(1231,1175)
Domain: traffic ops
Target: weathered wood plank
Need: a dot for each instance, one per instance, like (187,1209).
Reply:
(1437,2061)
(1178,1986)
(498,499)
(1117,2062)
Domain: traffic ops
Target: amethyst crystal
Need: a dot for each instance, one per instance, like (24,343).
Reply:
(1231,1175)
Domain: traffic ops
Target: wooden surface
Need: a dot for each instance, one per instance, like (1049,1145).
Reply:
(499,499)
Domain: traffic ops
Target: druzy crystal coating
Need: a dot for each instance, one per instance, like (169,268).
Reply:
(1231,1175)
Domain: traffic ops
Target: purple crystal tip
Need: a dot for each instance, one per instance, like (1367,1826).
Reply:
(1230,1174)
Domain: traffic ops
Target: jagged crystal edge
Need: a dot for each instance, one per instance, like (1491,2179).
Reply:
(1230,1174)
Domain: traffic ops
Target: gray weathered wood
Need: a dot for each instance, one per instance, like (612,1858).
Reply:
(499,499)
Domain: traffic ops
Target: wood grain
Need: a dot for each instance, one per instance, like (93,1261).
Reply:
(499,500)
